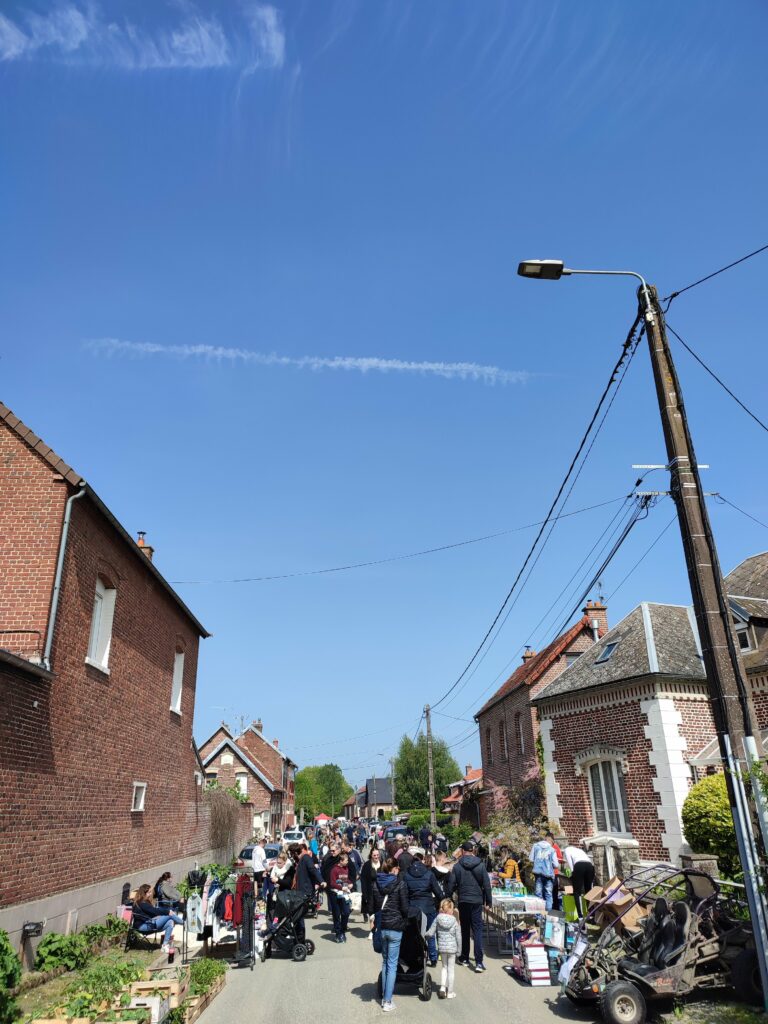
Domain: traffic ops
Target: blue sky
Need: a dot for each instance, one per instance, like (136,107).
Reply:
(230,231)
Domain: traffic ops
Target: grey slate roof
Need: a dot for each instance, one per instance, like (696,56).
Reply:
(749,578)
(652,639)
(383,789)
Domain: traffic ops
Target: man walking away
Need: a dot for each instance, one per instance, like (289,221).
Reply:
(545,864)
(307,879)
(259,865)
(470,885)
(425,894)
(582,873)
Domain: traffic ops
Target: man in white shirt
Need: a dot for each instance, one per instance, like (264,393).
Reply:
(582,873)
(259,865)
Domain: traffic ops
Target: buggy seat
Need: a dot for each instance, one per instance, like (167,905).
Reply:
(668,936)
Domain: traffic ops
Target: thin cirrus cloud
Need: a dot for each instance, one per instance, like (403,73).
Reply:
(361,364)
(79,34)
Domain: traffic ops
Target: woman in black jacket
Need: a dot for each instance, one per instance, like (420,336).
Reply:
(367,878)
(390,902)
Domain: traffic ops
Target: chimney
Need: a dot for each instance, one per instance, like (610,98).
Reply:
(148,551)
(258,725)
(528,653)
(467,769)
(275,743)
(597,613)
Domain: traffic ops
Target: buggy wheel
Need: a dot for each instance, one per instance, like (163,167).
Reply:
(299,952)
(745,977)
(380,987)
(263,954)
(310,947)
(622,1003)
(426,988)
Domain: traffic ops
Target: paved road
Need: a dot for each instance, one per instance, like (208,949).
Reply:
(338,984)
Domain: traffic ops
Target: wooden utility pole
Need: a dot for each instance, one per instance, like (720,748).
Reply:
(431,770)
(732,710)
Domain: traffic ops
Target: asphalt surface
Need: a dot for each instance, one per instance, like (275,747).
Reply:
(338,984)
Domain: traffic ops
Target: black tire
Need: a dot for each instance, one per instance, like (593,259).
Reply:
(426,988)
(310,947)
(299,952)
(622,1003)
(379,987)
(745,976)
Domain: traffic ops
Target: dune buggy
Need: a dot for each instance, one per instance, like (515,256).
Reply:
(672,932)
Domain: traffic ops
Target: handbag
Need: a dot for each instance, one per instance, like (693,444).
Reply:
(376,939)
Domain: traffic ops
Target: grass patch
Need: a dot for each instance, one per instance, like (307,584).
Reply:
(715,1012)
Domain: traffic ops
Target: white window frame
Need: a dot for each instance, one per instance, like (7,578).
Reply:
(177,684)
(100,636)
(139,797)
(620,811)
(241,781)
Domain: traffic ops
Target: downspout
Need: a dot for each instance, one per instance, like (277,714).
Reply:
(59,573)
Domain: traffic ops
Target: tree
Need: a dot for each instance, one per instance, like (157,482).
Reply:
(411,773)
(321,789)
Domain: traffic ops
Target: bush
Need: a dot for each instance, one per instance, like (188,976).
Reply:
(70,951)
(99,984)
(457,834)
(10,973)
(203,973)
(708,824)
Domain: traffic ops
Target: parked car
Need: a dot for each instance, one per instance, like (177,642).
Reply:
(245,857)
(293,835)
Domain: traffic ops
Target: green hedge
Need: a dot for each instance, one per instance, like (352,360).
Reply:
(708,824)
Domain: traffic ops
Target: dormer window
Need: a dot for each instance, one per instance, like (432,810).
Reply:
(606,653)
(743,633)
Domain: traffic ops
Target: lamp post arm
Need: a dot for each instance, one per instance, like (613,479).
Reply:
(616,273)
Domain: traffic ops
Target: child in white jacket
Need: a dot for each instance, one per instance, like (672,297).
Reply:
(446,927)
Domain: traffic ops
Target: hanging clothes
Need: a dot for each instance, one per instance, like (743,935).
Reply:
(195,921)
(244,885)
(245,950)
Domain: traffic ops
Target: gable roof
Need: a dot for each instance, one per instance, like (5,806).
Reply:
(654,639)
(383,789)
(272,746)
(242,756)
(749,578)
(58,465)
(534,668)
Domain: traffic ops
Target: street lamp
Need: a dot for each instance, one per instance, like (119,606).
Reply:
(729,696)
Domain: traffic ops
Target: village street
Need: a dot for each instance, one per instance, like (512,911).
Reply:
(338,984)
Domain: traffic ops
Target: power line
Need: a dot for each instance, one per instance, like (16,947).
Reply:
(642,557)
(714,376)
(393,558)
(721,499)
(452,717)
(626,347)
(673,295)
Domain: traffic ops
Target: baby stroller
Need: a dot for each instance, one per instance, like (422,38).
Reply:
(412,963)
(290,908)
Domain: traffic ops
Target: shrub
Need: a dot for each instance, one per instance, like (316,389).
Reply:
(203,973)
(70,951)
(457,834)
(708,824)
(10,973)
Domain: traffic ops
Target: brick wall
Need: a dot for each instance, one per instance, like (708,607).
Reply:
(73,747)
(227,766)
(513,712)
(620,726)
(31,513)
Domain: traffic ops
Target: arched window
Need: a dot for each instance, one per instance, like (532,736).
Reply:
(519,733)
(488,746)
(610,808)
(504,753)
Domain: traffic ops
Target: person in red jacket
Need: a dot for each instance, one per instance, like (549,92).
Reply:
(339,890)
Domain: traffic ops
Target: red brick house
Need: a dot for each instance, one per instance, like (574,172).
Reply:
(463,800)
(259,768)
(98,660)
(627,729)
(507,722)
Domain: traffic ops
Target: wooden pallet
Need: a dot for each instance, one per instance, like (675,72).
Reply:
(197,1004)
(175,991)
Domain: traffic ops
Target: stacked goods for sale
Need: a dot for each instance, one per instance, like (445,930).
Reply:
(616,907)
(535,963)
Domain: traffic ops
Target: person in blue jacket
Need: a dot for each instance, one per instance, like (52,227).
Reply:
(425,894)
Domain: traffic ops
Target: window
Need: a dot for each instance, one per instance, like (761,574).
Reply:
(241,781)
(609,797)
(101,626)
(211,775)
(178,681)
(742,634)
(519,731)
(606,652)
(572,656)
(488,746)
(139,793)
(503,740)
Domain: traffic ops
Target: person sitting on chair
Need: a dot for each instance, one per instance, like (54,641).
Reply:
(167,896)
(148,918)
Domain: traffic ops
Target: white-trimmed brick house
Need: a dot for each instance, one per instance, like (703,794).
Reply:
(628,727)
